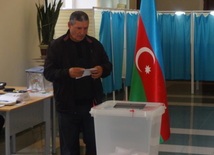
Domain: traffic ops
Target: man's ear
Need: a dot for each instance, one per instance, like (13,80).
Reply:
(69,24)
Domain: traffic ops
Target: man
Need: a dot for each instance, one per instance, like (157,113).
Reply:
(76,89)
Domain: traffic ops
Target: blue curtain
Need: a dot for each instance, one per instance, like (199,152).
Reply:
(105,39)
(118,47)
(131,26)
(204,48)
(176,47)
(112,38)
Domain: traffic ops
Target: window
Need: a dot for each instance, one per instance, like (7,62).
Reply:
(74,4)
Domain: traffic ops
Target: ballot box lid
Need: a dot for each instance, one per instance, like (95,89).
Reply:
(128,109)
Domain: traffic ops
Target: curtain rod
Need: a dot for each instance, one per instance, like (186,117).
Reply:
(135,10)
(187,11)
(115,9)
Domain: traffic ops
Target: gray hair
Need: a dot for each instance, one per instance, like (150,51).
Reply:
(79,16)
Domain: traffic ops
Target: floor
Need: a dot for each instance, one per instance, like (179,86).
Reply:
(191,119)
(191,122)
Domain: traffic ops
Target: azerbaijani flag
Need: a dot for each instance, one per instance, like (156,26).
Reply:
(148,83)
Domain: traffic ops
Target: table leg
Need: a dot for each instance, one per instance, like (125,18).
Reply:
(53,125)
(47,127)
(7,133)
(13,140)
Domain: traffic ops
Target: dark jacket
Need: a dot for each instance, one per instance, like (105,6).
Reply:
(61,57)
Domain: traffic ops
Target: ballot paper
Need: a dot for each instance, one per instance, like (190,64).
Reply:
(87,72)
(13,98)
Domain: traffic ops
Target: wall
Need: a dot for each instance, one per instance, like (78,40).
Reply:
(132,4)
(163,5)
(18,40)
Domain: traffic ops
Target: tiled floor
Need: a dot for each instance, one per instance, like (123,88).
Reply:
(191,122)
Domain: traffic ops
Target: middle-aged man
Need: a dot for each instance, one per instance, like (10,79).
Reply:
(75,64)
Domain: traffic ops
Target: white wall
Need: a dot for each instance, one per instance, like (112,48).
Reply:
(18,40)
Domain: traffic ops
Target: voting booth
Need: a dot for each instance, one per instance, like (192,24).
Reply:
(127,128)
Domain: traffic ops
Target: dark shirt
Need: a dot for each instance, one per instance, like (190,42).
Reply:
(83,86)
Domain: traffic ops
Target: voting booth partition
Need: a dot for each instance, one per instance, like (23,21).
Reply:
(127,128)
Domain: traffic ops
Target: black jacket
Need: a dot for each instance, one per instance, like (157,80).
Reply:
(61,57)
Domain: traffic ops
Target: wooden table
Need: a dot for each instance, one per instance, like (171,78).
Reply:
(19,117)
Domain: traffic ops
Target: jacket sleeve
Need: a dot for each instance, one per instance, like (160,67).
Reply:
(52,69)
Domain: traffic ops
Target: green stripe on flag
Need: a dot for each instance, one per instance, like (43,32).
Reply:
(137,90)
(161,140)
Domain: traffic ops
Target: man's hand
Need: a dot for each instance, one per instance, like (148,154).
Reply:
(75,72)
(96,72)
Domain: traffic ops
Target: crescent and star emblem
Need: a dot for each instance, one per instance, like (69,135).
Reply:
(141,51)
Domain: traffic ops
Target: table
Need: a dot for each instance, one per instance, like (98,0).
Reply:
(19,117)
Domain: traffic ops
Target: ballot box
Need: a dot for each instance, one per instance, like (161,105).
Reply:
(127,128)
(36,81)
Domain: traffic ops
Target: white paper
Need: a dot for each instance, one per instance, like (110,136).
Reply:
(87,72)
(9,98)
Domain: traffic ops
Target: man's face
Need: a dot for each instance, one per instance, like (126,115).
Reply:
(78,31)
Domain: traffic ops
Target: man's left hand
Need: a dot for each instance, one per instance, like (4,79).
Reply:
(96,72)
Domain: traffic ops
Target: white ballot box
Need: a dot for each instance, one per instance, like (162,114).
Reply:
(127,128)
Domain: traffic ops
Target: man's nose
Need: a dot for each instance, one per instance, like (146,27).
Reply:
(82,31)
